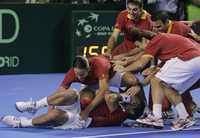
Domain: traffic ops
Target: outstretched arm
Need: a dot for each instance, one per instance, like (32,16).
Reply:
(139,64)
(103,88)
(112,41)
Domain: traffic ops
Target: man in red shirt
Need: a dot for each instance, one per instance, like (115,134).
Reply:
(180,71)
(162,23)
(114,112)
(133,16)
(66,112)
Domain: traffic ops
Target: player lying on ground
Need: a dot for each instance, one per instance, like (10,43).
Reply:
(97,74)
(63,114)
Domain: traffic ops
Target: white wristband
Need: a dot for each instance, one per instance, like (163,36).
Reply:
(126,98)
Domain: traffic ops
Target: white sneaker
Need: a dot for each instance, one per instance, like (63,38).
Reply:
(79,124)
(180,124)
(11,121)
(151,120)
(28,106)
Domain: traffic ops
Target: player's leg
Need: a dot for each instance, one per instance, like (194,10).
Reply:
(54,117)
(167,112)
(178,76)
(157,96)
(184,120)
(188,101)
(59,98)
(61,116)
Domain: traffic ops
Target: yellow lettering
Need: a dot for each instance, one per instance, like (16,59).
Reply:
(85,52)
(91,50)
(104,49)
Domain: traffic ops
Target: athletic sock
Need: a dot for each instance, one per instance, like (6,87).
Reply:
(182,113)
(26,122)
(157,110)
(42,103)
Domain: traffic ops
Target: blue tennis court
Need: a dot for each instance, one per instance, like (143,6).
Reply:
(23,87)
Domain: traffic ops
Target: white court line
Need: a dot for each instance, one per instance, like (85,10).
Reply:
(137,133)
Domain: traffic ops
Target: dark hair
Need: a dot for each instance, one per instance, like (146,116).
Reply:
(136,2)
(137,34)
(80,62)
(161,15)
(196,27)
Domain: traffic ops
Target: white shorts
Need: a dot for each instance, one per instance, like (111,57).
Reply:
(73,112)
(179,74)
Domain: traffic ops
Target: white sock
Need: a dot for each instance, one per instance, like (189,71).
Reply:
(180,108)
(157,110)
(26,122)
(42,103)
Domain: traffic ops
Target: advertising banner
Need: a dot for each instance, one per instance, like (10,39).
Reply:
(91,31)
(32,39)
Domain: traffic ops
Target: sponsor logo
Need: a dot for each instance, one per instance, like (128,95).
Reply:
(9,61)
(90,24)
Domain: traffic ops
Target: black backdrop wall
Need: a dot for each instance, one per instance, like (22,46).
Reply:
(45,38)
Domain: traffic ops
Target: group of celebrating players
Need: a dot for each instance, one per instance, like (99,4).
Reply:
(166,53)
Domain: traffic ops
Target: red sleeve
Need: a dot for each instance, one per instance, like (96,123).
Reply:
(69,78)
(120,21)
(154,45)
(181,29)
(101,68)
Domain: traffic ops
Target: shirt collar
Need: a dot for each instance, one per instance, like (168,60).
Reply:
(169,29)
(143,17)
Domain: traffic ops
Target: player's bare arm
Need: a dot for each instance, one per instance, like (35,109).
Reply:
(103,88)
(124,61)
(112,40)
(61,88)
(133,52)
(139,64)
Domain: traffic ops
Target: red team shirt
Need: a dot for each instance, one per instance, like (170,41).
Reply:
(167,46)
(99,69)
(101,116)
(176,27)
(124,24)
